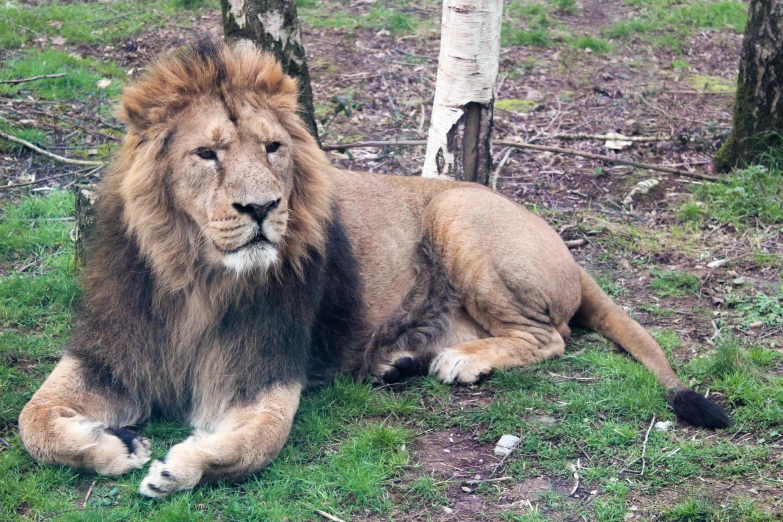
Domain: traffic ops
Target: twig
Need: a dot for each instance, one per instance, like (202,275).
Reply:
(4,442)
(482,481)
(609,159)
(575,243)
(359,144)
(44,180)
(55,157)
(581,136)
(87,497)
(33,78)
(328,516)
(493,182)
(644,446)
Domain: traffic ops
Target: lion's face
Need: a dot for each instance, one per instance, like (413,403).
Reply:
(232,174)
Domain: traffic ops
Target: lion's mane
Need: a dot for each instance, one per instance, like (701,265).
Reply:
(156,318)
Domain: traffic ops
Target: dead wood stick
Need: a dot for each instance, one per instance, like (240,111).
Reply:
(575,243)
(87,497)
(328,516)
(55,157)
(44,180)
(620,137)
(482,481)
(644,446)
(33,78)
(608,159)
(493,182)
(359,144)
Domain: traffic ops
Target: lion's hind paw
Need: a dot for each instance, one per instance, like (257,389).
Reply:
(402,366)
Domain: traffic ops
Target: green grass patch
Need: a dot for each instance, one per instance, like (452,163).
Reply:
(743,199)
(668,23)
(395,19)
(759,308)
(79,83)
(597,46)
(671,283)
(84,22)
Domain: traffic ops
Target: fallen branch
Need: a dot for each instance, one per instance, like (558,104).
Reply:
(55,157)
(359,144)
(575,243)
(50,178)
(608,159)
(581,136)
(328,516)
(33,78)
(599,157)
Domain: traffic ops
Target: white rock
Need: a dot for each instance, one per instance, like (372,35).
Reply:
(663,426)
(506,445)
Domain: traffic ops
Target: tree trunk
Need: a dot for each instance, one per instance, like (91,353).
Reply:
(758,111)
(273,26)
(458,146)
(86,196)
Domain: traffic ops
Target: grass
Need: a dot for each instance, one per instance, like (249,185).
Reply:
(350,450)
(396,19)
(21,23)
(669,23)
(743,199)
(671,283)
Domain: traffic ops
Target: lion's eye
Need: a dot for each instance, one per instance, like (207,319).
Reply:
(271,148)
(207,154)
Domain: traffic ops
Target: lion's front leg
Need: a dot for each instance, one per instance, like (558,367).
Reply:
(68,421)
(245,440)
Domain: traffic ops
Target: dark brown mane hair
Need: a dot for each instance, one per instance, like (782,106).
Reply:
(150,107)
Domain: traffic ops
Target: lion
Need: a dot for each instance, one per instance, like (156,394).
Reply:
(232,267)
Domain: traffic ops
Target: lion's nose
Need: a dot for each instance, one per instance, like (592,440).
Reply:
(257,211)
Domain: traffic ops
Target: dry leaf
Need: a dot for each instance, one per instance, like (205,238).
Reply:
(102,84)
(59,41)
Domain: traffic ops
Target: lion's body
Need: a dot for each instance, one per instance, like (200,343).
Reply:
(232,267)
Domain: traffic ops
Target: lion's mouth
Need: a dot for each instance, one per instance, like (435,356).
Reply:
(258,239)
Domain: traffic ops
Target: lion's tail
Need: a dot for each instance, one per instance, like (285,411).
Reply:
(597,312)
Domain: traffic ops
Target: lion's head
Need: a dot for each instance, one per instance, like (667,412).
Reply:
(217,170)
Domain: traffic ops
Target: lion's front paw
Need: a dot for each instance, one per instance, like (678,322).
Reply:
(119,450)
(452,365)
(168,476)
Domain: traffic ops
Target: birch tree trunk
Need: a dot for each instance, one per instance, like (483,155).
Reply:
(458,145)
(758,111)
(273,26)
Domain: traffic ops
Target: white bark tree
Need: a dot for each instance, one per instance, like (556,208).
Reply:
(273,26)
(458,145)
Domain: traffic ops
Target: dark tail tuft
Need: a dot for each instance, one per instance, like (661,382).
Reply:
(694,408)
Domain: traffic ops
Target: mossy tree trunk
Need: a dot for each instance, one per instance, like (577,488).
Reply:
(273,26)
(758,108)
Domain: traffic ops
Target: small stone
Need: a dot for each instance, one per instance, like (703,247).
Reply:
(466,489)
(663,426)
(447,510)
(533,95)
(506,445)
(739,281)
(543,420)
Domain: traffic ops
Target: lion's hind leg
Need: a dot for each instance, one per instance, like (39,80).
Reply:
(69,422)
(471,361)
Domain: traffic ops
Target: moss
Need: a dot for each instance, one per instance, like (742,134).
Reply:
(751,135)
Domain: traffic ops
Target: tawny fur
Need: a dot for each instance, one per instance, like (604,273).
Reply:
(188,314)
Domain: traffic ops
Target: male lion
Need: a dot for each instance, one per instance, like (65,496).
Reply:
(232,267)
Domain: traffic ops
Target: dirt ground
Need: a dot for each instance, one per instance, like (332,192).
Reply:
(634,90)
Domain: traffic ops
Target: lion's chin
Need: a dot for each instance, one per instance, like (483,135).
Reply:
(258,256)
